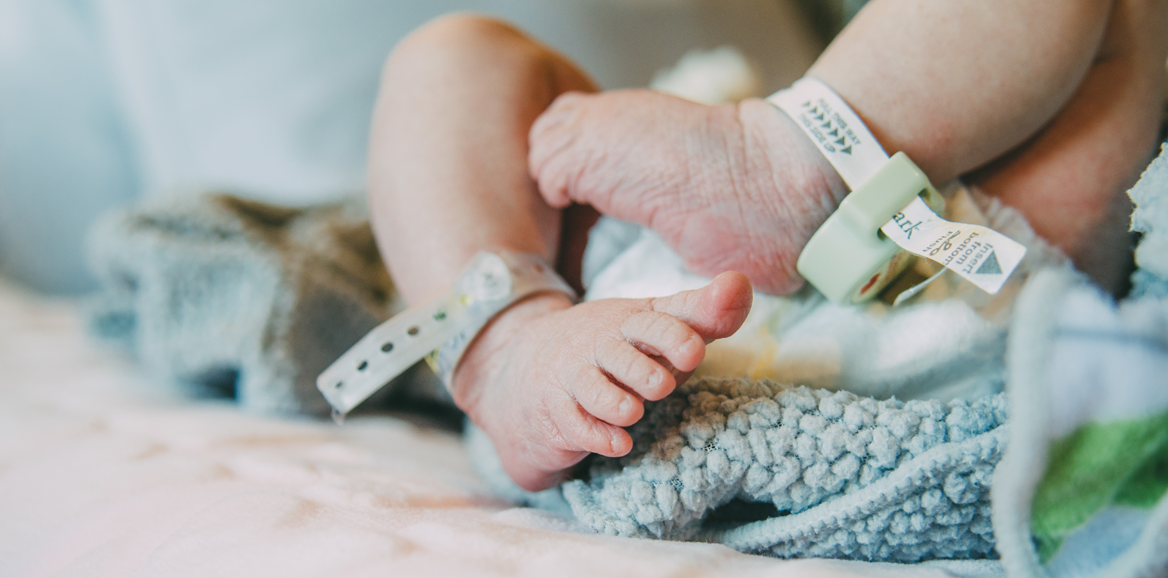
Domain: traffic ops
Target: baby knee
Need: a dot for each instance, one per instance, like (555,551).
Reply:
(460,39)
(469,28)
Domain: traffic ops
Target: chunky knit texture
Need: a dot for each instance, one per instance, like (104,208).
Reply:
(852,477)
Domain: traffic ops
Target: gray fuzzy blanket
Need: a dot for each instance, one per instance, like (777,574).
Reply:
(228,296)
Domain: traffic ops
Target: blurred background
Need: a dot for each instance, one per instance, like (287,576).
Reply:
(104,102)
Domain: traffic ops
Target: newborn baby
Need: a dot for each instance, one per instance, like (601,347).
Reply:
(484,139)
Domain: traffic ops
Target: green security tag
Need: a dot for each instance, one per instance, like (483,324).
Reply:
(849,259)
(890,216)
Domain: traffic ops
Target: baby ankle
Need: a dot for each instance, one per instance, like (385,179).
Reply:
(808,180)
(487,353)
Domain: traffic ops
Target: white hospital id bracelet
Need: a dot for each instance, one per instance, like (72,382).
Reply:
(439,329)
(890,215)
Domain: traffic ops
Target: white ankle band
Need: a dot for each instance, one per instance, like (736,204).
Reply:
(834,128)
(869,240)
(439,329)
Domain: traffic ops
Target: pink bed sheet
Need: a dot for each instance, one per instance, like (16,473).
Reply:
(105,473)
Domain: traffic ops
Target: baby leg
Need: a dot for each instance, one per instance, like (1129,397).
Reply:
(548,382)
(954,85)
(448,150)
(1069,180)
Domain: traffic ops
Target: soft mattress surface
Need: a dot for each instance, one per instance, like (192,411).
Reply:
(106,473)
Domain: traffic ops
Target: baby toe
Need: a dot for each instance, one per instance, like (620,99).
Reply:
(714,311)
(667,336)
(601,398)
(581,429)
(634,370)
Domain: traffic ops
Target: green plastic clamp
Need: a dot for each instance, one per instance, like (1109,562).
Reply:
(849,259)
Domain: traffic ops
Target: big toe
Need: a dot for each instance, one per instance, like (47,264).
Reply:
(714,311)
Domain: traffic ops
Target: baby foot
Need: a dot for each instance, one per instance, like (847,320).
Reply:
(550,382)
(731,187)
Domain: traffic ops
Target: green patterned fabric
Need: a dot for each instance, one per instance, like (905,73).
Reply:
(1092,467)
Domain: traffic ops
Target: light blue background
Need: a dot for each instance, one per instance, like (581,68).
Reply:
(105,101)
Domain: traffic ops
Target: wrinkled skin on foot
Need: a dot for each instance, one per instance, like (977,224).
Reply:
(730,187)
(550,382)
